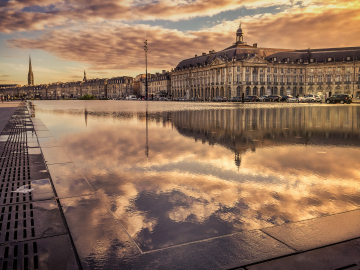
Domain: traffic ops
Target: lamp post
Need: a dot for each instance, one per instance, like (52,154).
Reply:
(146,84)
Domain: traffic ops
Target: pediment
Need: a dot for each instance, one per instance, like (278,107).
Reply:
(256,60)
(217,61)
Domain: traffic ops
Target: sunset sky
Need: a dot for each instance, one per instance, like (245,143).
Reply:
(105,37)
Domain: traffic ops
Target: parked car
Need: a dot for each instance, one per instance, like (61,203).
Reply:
(262,98)
(251,99)
(236,99)
(273,98)
(292,99)
(312,98)
(220,99)
(341,98)
(285,98)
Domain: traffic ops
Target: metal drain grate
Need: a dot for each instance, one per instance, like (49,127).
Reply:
(16,223)
(10,174)
(20,256)
(7,196)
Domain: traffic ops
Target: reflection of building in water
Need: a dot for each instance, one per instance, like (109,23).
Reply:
(244,129)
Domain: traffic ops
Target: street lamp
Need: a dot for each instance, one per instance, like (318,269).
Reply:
(146,84)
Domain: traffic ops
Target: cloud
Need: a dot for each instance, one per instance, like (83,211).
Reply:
(25,21)
(121,46)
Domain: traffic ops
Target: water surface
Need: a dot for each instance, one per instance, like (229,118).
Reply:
(174,172)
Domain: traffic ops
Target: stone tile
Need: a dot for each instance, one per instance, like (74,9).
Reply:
(51,253)
(34,151)
(43,134)
(35,160)
(55,155)
(99,238)
(318,232)
(68,181)
(40,128)
(340,256)
(230,251)
(42,190)
(48,142)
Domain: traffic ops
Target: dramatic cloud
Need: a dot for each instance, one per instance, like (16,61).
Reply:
(25,21)
(122,47)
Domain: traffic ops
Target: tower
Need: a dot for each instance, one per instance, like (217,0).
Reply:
(30,74)
(84,76)
(239,35)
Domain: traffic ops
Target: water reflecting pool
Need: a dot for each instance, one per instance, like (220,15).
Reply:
(174,172)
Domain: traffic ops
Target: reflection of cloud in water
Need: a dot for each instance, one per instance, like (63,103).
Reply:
(162,204)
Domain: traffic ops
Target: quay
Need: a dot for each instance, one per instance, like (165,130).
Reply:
(52,218)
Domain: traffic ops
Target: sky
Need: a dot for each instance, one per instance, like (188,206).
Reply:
(105,37)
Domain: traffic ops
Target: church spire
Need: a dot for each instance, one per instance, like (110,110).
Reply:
(240,35)
(30,74)
(84,76)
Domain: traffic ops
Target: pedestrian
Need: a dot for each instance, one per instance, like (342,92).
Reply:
(242,97)
(2,99)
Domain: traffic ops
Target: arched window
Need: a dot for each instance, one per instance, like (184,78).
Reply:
(238,91)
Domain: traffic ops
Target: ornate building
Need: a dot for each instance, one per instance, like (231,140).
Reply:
(30,74)
(251,70)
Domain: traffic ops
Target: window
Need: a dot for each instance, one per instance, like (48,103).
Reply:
(329,70)
(347,78)
(275,79)
(301,78)
(337,78)
(301,71)
(311,70)
(320,79)
(281,79)
(238,69)
(268,78)
(338,69)
(294,70)
(247,69)
(254,77)
(328,78)
(311,79)
(275,70)
(229,78)
(238,78)
(229,69)
(347,69)
(281,70)
(288,80)
(329,59)
(319,70)
(247,77)
(288,70)
(294,79)
(261,77)
(261,70)
(268,70)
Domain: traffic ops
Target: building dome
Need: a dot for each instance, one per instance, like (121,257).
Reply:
(239,31)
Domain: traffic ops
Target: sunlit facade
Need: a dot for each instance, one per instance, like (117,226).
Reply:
(249,70)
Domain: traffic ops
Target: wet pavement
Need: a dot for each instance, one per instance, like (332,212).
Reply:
(33,232)
(171,185)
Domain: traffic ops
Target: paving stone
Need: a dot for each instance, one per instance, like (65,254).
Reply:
(43,134)
(48,142)
(99,239)
(318,232)
(341,256)
(55,155)
(68,181)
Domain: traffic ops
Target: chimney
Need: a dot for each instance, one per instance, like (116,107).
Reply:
(204,53)
(255,45)
(163,71)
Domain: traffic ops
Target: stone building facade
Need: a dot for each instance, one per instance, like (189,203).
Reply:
(120,87)
(251,70)
(159,84)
